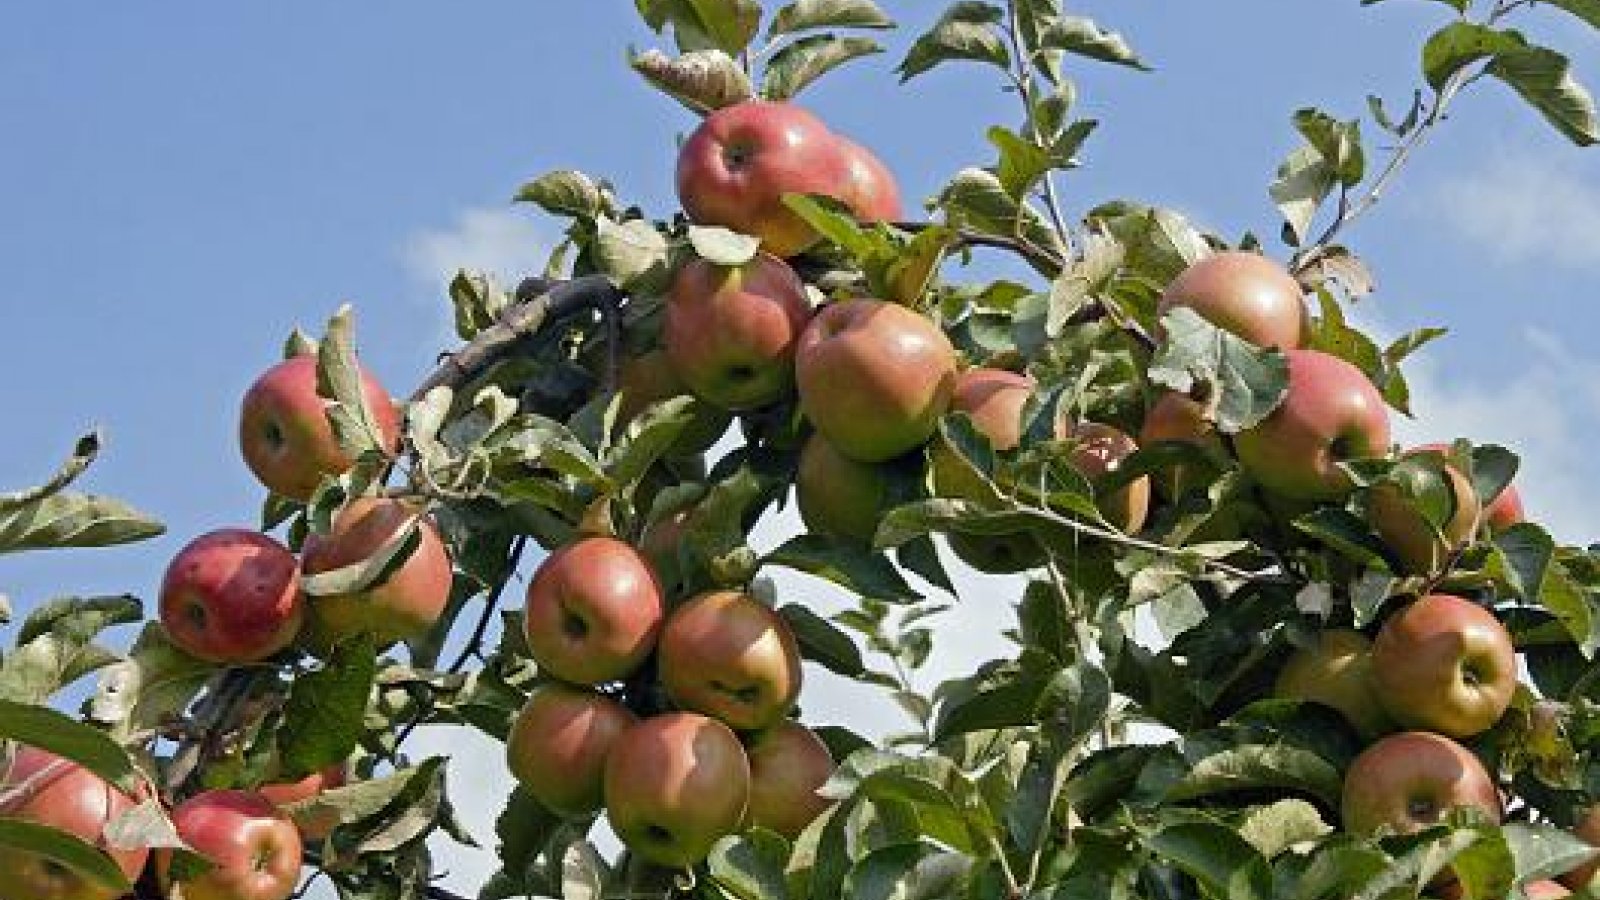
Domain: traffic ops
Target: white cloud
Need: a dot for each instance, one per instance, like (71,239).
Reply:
(494,240)
(1525,209)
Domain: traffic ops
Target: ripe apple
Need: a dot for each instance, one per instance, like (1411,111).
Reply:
(232,596)
(1408,781)
(874,377)
(788,764)
(1336,671)
(1244,293)
(1098,450)
(1178,418)
(649,378)
(254,848)
(837,495)
(1505,511)
(46,789)
(404,605)
(1587,829)
(735,168)
(1444,664)
(594,609)
(725,654)
(1418,546)
(730,331)
(993,399)
(288,793)
(870,190)
(284,431)
(675,784)
(559,744)
(1331,414)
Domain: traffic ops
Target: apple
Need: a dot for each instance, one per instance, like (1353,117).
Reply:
(1243,293)
(253,846)
(837,495)
(730,331)
(1505,511)
(1336,671)
(1444,664)
(232,596)
(594,609)
(46,789)
(1544,889)
(284,431)
(874,377)
(993,399)
(675,784)
(1408,781)
(404,605)
(650,378)
(788,764)
(735,168)
(870,190)
(1587,829)
(283,794)
(1097,451)
(725,654)
(1417,545)
(559,744)
(1331,414)
(1178,418)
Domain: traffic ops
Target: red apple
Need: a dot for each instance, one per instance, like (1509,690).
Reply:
(46,789)
(1444,664)
(788,765)
(649,378)
(404,605)
(730,331)
(676,784)
(1417,545)
(874,377)
(284,431)
(1408,781)
(1587,829)
(1331,414)
(837,495)
(232,596)
(254,848)
(735,168)
(1244,293)
(594,609)
(1178,418)
(726,655)
(559,744)
(870,191)
(1505,511)
(1097,451)
(1336,671)
(282,794)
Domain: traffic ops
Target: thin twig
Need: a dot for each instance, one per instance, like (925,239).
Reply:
(490,604)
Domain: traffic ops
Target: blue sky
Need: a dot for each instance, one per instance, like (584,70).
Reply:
(184,182)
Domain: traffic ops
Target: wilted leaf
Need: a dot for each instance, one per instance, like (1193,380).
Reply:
(156,682)
(704,81)
(565,192)
(1084,37)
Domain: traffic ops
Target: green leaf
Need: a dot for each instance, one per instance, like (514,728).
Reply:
(1304,179)
(1083,37)
(325,714)
(648,438)
(478,303)
(67,850)
(71,519)
(565,192)
(55,646)
(730,24)
(976,199)
(1022,162)
(1008,704)
(799,64)
(1338,143)
(965,32)
(1247,382)
(750,866)
(1543,851)
(823,643)
(704,80)
(1345,532)
(1216,856)
(339,381)
(415,809)
(719,245)
(1544,79)
(858,570)
(911,871)
(805,15)
(1274,828)
(46,729)
(1460,44)
(156,682)
(365,574)
(633,254)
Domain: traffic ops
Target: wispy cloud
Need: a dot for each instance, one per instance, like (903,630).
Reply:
(494,240)
(1524,208)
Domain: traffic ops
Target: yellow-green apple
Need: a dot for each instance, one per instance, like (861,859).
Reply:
(1243,293)
(788,764)
(1331,414)
(675,784)
(1336,671)
(402,606)
(559,744)
(1418,545)
(874,377)
(725,654)
(284,431)
(735,168)
(1408,781)
(232,596)
(730,331)
(1586,829)
(1176,417)
(870,189)
(45,789)
(1097,451)
(650,378)
(594,610)
(254,848)
(287,793)
(837,495)
(1505,511)
(1444,664)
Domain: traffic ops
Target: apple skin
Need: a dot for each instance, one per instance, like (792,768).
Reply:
(1408,781)
(1410,537)
(1243,293)
(1178,418)
(405,605)
(1444,664)
(284,432)
(725,654)
(594,611)
(788,764)
(1545,889)
(1332,414)
(287,793)
(1099,450)
(871,191)
(63,795)
(254,846)
(649,378)
(232,596)
(559,744)
(874,377)
(837,495)
(1505,511)
(1336,671)
(730,331)
(675,784)
(1587,829)
(735,168)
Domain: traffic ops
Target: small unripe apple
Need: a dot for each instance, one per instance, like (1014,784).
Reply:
(788,765)
(232,596)
(1098,450)
(40,787)
(726,655)
(730,331)
(837,495)
(1408,781)
(282,794)
(253,846)
(675,784)
(559,744)
(284,431)
(1244,293)
(1444,664)
(1336,671)
(594,610)
(1416,544)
